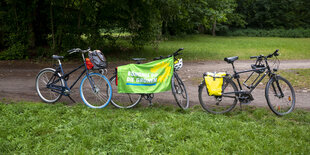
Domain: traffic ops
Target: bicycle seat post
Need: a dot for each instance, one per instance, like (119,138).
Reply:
(59,62)
(233,66)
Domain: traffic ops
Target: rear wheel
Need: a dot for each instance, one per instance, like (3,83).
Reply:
(96,90)
(179,92)
(123,100)
(219,104)
(49,85)
(280,96)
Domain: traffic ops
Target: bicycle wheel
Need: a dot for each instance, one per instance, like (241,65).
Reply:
(123,100)
(280,96)
(49,85)
(219,104)
(179,91)
(96,90)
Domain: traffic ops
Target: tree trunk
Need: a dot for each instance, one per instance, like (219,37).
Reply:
(16,19)
(79,23)
(213,28)
(52,25)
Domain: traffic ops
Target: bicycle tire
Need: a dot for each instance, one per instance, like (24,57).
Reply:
(46,94)
(123,100)
(98,96)
(179,89)
(288,93)
(228,102)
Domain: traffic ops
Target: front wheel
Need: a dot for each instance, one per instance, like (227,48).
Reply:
(123,100)
(96,90)
(219,104)
(179,92)
(280,95)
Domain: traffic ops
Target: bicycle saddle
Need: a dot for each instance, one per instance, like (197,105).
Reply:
(231,59)
(138,59)
(57,57)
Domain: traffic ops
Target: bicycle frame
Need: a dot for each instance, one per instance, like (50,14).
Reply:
(256,81)
(65,90)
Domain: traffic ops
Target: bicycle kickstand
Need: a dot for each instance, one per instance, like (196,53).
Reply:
(71,99)
(149,97)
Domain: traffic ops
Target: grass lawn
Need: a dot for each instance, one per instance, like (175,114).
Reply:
(205,47)
(52,129)
(299,78)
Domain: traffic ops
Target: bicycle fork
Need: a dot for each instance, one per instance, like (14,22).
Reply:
(279,88)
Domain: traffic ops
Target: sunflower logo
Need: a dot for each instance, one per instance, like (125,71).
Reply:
(167,68)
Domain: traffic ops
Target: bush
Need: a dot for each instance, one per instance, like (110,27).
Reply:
(288,33)
(15,52)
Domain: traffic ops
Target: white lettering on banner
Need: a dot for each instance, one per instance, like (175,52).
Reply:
(141,80)
(130,79)
(139,74)
(141,77)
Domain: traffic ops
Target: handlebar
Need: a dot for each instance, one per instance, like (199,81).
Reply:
(174,54)
(74,50)
(177,52)
(275,53)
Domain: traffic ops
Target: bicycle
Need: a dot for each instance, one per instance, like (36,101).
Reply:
(126,100)
(277,89)
(95,88)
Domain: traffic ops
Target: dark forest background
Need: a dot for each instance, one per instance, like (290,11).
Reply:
(32,28)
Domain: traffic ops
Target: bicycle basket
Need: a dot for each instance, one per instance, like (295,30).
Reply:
(97,59)
(214,83)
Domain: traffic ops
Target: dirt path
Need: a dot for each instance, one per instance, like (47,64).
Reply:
(17,80)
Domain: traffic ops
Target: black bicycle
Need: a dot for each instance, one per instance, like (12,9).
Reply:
(95,88)
(279,93)
(126,100)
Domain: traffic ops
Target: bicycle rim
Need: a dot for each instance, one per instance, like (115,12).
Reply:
(96,90)
(179,92)
(280,103)
(123,100)
(218,104)
(46,76)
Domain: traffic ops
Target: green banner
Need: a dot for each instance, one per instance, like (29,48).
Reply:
(152,77)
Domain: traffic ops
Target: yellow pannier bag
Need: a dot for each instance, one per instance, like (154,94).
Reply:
(214,83)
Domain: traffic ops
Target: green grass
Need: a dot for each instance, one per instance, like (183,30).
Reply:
(299,78)
(52,129)
(204,47)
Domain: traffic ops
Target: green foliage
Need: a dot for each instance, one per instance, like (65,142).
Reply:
(290,33)
(15,52)
(266,14)
(66,24)
(28,128)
